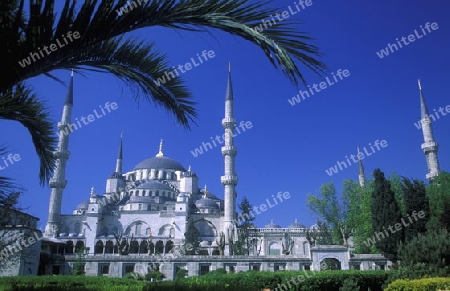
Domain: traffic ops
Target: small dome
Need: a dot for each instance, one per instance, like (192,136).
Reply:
(206,203)
(272,225)
(83,205)
(160,162)
(296,225)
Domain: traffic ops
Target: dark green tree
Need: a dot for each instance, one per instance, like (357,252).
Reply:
(439,199)
(430,250)
(385,212)
(415,198)
(244,224)
(191,240)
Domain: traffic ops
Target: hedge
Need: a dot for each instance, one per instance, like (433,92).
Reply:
(425,284)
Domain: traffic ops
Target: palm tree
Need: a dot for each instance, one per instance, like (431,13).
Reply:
(102,47)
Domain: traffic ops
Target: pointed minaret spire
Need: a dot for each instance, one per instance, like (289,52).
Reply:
(361,176)
(429,147)
(119,157)
(229,151)
(160,153)
(58,182)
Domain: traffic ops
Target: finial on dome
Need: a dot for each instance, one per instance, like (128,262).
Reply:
(205,191)
(160,154)
(296,220)
(71,74)
(92,191)
(189,168)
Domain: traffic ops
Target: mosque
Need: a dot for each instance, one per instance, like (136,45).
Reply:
(139,222)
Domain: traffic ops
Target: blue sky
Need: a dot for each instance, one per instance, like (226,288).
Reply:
(289,147)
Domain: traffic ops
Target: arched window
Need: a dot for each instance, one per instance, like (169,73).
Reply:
(98,247)
(143,248)
(137,192)
(169,246)
(164,194)
(151,248)
(143,192)
(274,249)
(109,247)
(157,193)
(134,247)
(150,193)
(69,247)
(79,246)
(159,248)
(131,193)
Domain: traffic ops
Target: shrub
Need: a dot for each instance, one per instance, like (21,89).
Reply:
(425,284)
(154,276)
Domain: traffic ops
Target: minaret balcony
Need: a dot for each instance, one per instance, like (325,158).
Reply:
(61,154)
(431,175)
(430,146)
(229,180)
(229,150)
(57,184)
(229,122)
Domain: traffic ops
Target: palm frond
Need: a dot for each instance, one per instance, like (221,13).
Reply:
(21,105)
(136,63)
(98,21)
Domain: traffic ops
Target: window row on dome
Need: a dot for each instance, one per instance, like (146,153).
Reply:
(150,193)
(152,175)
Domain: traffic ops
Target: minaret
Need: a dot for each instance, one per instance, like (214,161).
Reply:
(362,177)
(119,158)
(58,181)
(116,181)
(429,147)
(229,151)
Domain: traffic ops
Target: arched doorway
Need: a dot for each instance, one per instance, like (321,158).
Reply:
(330,264)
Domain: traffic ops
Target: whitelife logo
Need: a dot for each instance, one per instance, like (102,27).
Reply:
(412,37)
(206,55)
(90,118)
(296,99)
(360,155)
(37,55)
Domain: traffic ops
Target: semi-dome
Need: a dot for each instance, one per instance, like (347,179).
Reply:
(154,185)
(206,203)
(140,199)
(296,225)
(83,205)
(160,163)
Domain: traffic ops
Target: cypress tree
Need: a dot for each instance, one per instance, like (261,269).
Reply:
(385,214)
(415,200)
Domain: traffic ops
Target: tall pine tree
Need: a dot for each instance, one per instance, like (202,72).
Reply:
(245,223)
(385,213)
(415,200)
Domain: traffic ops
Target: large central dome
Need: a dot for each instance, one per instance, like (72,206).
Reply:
(160,163)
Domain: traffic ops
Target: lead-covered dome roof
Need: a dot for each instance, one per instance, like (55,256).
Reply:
(160,163)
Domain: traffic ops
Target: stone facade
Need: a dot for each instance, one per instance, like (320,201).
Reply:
(20,243)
